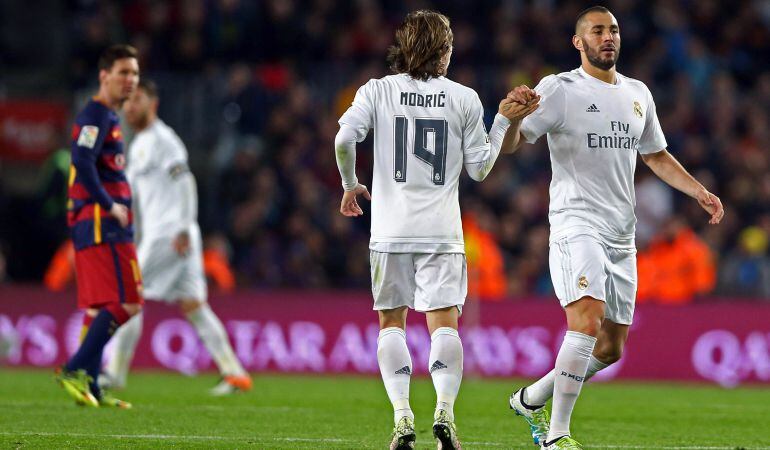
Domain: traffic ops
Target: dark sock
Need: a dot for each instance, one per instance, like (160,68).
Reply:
(99,333)
(93,370)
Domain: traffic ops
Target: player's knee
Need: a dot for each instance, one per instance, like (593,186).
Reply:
(132,309)
(589,326)
(442,318)
(188,306)
(585,316)
(393,318)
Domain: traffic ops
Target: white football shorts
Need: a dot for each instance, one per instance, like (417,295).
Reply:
(421,281)
(168,277)
(583,265)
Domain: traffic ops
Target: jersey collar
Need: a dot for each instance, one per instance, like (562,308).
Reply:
(599,82)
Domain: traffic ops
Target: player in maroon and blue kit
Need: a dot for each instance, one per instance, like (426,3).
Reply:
(99,216)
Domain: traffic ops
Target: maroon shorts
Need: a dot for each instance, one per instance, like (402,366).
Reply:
(108,273)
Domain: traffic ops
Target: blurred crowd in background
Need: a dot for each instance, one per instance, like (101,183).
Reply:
(255,89)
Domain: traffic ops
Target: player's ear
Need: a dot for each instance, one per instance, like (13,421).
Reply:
(577,42)
(102,75)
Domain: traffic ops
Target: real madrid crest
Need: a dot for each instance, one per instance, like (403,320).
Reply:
(637,110)
(583,283)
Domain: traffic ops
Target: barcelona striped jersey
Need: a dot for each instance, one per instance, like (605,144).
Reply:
(97,178)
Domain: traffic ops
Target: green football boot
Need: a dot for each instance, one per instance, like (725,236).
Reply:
(76,385)
(403,435)
(109,401)
(445,432)
(538,419)
(562,443)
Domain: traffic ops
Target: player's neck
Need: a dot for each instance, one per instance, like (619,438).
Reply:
(608,76)
(146,123)
(104,99)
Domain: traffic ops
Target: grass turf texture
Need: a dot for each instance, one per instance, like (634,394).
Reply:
(172,411)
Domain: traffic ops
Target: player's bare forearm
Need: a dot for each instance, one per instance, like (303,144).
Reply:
(668,169)
(512,140)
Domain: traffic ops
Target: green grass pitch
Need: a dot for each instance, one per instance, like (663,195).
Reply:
(173,411)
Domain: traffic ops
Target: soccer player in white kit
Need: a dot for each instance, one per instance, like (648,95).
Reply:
(169,242)
(426,128)
(596,120)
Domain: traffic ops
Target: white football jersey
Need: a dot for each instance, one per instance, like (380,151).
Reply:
(423,133)
(153,155)
(595,130)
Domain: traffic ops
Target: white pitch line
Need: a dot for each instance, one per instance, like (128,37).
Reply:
(329,440)
(625,446)
(175,436)
(123,436)
(677,447)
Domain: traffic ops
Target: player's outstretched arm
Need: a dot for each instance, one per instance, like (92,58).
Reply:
(668,169)
(503,136)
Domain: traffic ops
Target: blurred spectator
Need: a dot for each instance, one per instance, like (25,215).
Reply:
(215,263)
(676,267)
(746,270)
(3,265)
(486,271)
(61,268)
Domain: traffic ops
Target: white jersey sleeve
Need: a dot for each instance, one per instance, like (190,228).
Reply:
(360,115)
(173,156)
(652,139)
(481,149)
(550,115)
(474,132)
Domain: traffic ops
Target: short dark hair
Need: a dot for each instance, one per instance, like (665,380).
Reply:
(114,53)
(587,11)
(422,40)
(149,87)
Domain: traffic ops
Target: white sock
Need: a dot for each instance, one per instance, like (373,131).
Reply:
(571,367)
(396,369)
(446,367)
(214,337)
(594,366)
(124,344)
(541,391)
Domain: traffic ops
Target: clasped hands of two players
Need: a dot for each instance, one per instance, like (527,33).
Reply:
(519,103)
